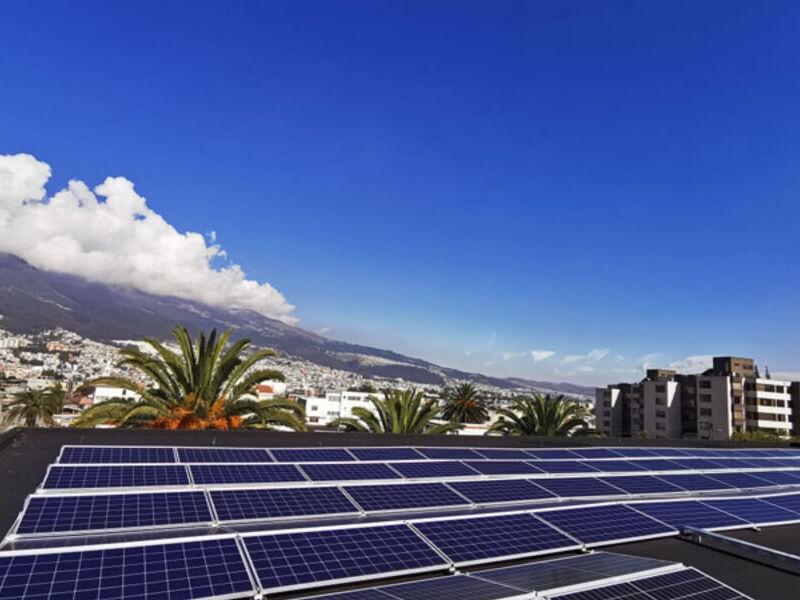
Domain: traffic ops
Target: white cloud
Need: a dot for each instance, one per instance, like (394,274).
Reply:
(586,369)
(693,364)
(513,355)
(324,330)
(647,361)
(110,235)
(592,356)
(538,355)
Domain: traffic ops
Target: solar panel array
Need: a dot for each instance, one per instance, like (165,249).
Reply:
(99,490)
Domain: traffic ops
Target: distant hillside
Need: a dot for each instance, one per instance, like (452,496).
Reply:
(32,300)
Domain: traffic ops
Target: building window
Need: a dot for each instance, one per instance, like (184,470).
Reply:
(660,389)
(661,427)
(705,384)
(705,412)
(705,397)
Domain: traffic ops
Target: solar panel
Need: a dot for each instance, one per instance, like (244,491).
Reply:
(115,455)
(271,503)
(658,464)
(695,482)
(298,455)
(579,487)
(456,586)
(483,539)
(502,467)
(736,463)
(51,514)
(573,570)
(421,470)
(614,466)
(643,484)
(502,454)
(595,452)
(685,584)
(690,513)
(364,594)
(244,473)
(742,481)
(669,452)
(766,463)
(173,571)
(511,490)
(449,453)
(386,453)
(787,501)
(755,511)
(304,559)
(597,524)
(404,496)
(113,476)
(635,452)
(224,455)
(551,453)
(348,471)
(699,464)
(780,477)
(564,466)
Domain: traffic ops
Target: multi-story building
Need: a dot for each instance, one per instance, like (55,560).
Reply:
(730,397)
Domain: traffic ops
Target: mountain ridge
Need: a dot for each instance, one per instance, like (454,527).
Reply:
(33,300)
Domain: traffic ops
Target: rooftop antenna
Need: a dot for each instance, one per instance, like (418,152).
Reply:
(766,372)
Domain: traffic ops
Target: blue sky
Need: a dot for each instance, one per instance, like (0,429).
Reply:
(464,182)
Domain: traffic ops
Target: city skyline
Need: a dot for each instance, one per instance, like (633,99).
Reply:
(517,193)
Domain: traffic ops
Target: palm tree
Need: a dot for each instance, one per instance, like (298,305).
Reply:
(208,384)
(399,411)
(541,415)
(34,405)
(463,405)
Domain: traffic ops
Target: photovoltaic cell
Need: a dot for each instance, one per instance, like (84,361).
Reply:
(348,471)
(115,476)
(365,594)
(459,587)
(614,466)
(573,570)
(658,464)
(579,487)
(598,524)
(313,558)
(115,455)
(425,469)
(386,454)
(551,453)
(670,452)
(511,490)
(51,514)
(741,480)
(177,571)
(502,454)
(690,513)
(643,484)
(736,463)
(695,482)
(270,503)
(481,539)
(595,453)
(244,473)
(699,464)
(404,496)
(311,455)
(449,453)
(564,466)
(754,510)
(224,455)
(502,467)
(779,477)
(788,501)
(636,452)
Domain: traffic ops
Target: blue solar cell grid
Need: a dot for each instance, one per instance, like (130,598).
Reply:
(636,452)
(502,454)
(643,484)
(690,513)
(183,571)
(449,453)
(400,497)
(670,452)
(736,463)
(551,454)
(614,466)
(298,455)
(598,524)
(511,490)
(266,503)
(484,539)
(699,464)
(564,466)
(579,487)
(386,454)
(658,464)
(50,514)
(312,558)
(348,471)
(244,473)
(114,476)
(741,480)
(224,455)
(115,455)
(780,477)
(788,501)
(595,453)
(755,511)
(502,467)
(422,470)
(456,586)
(695,482)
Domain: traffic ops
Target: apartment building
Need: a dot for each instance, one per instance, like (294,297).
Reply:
(730,397)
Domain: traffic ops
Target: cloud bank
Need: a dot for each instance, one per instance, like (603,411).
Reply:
(110,235)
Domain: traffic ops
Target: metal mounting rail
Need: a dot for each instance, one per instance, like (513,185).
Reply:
(747,550)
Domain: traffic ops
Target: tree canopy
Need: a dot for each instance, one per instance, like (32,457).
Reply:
(542,416)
